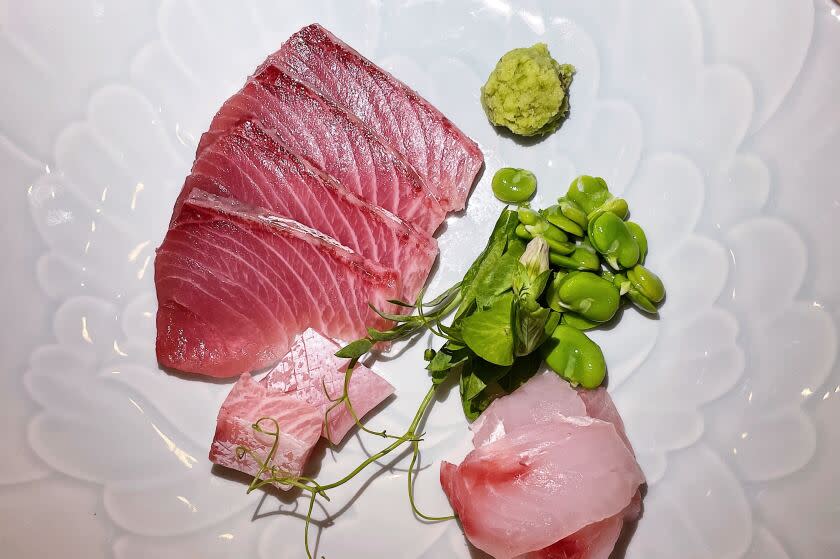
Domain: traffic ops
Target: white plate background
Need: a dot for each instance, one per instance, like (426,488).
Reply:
(719,121)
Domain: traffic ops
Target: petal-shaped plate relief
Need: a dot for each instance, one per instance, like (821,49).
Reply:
(570,43)
(738,193)
(118,174)
(462,104)
(638,56)
(453,32)
(189,403)
(653,464)
(793,354)
(19,97)
(666,198)
(177,94)
(138,318)
(86,241)
(352,534)
(801,508)
(611,146)
(725,92)
(127,124)
(87,322)
(36,522)
(232,537)
(626,345)
(808,196)
(62,380)
(694,275)
(95,450)
(771,66)
(61,277)
(26,311)
(768,446)
(184,501)
(696,380)
(712,331)
(676,112)
(204,48)
(92,446)
(20,463)
(765,545)
(697,511)
(55,53)
(658,428)
(758,279)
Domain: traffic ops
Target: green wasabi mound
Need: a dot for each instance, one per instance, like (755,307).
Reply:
(528,91)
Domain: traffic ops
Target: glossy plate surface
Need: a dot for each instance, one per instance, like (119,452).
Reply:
(718,121)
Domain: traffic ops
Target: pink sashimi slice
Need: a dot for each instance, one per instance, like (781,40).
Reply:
(248,164)
(595,541)
(600,406)
(445,157)
(334,141)
(248,401)
(311,366)
(541,483)
(235,284)
(544,397)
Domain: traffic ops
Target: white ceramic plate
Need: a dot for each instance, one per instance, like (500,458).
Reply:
(718,121)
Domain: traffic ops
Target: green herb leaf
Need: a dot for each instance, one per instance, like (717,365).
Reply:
(356,349)
(499,277)
(487,261)
(391,316)
(471,385)
(523,369)
(439,376)
(476,405)
(528,327)
(488,333)
(400,303)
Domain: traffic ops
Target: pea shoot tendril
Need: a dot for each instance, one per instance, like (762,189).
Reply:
(543,278)
(268,473)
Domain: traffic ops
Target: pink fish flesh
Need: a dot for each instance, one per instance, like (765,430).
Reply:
(235,284)
(595,541)
(248,401)
(548,397)
(445,157)
(546,480)
(249,165)
(600,406)
(312,373)
(334,141)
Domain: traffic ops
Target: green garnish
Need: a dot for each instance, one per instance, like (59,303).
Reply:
(514,186)
(572,355)
(543,278)
(528,91)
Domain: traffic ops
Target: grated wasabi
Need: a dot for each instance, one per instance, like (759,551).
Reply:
(528,91)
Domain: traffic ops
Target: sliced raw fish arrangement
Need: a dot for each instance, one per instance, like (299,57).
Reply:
(546,480)
(334,141)
(301,212)
(235,284)
(443,155)
(312,373)
(249,401)
(247,164)
(308,212)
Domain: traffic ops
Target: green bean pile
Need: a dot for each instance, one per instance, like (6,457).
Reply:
(597,262)
(542,280)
